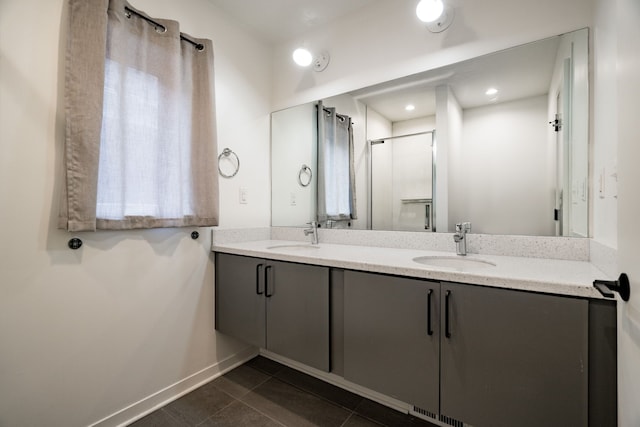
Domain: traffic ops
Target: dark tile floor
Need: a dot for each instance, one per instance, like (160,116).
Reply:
(264,393)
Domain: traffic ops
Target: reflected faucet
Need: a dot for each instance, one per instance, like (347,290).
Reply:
(313,231)
(460,237)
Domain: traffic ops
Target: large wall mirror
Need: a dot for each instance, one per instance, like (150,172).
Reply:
(500,141)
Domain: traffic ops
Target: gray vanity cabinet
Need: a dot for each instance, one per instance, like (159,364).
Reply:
(469,354)
(392,336)
(513,358)
(239,302)
(280,306)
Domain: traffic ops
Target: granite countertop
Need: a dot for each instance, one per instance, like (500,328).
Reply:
(560,277)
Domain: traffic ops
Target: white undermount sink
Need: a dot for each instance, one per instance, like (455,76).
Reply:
(294,246)
(454,262)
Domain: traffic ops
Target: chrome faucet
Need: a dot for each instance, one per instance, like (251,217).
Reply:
(460,237)
(313,231)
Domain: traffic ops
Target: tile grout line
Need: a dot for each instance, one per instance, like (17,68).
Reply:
(170,415)
(219,410)
(262,413)
(347,420)
(318,395)
(269,376)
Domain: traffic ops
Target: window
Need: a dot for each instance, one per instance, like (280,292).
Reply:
(140,147)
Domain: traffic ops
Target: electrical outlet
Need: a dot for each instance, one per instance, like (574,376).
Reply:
(244,195)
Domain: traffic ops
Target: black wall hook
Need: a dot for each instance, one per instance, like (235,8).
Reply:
(608,287)
(195,235)
(74,243)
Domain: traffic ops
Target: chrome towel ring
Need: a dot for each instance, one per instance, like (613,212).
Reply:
(227,153)
(305,170)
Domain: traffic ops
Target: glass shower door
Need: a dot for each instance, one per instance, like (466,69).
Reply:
(401,183)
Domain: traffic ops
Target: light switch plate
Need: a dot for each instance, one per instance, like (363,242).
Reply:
(244,195)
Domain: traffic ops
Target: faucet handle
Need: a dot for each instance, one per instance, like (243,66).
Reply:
(463,226)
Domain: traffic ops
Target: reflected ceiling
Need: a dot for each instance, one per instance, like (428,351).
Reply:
(517,73)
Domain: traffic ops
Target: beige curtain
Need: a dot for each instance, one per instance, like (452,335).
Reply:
(336,172)
(140,149)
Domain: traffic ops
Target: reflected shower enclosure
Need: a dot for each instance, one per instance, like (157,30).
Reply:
(402,183)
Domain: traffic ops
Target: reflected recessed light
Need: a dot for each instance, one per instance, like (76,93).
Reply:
(410,107)
(491,91)
(302,57)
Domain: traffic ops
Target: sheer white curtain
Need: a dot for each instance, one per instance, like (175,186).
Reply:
(140,145)
(336,177)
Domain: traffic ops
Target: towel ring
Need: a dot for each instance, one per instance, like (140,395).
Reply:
(305,169)
(226,153)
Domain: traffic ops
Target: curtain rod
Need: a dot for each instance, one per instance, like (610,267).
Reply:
(382,140)
(129,11)
(342,117)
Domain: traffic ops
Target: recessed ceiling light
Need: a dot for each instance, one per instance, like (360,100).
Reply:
(410,107)
(302,57)
(491,91)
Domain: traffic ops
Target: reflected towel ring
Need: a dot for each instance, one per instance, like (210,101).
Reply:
(226,153)
(305,169)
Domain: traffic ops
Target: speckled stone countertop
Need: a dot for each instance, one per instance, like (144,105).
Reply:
(554,276)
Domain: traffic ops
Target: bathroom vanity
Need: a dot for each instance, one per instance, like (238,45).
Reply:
(514,341)
(279,306)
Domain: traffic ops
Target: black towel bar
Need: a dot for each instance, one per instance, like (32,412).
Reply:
(608,287)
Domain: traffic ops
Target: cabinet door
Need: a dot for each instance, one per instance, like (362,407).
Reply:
(512,358)
(240,307)
(391,336)
(298,312)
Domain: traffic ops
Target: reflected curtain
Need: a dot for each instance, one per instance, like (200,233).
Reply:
(140,145)
(336,176)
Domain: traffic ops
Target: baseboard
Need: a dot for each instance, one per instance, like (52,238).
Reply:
(159,399)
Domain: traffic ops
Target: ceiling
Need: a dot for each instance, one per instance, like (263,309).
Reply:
(280,20)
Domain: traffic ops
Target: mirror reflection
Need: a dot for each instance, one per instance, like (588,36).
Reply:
(500,141)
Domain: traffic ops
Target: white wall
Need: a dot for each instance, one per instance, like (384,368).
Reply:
(617,28)
(86,333)
(604,131)
(500,185)
(387,41)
